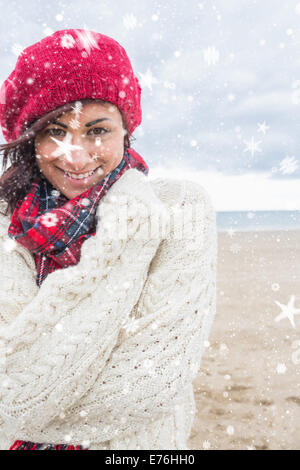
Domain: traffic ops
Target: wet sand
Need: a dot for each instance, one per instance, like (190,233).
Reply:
(247,390)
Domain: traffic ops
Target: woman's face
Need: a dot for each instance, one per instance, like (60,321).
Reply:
(75,143)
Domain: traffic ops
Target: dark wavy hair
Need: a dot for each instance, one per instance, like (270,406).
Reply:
(16,180)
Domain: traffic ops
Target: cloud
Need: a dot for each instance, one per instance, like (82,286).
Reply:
(271,102)
(257,68)
(246,192)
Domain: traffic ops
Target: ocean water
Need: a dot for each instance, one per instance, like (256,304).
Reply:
(258,220)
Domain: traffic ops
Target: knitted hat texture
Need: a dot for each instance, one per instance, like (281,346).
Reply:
(69,65)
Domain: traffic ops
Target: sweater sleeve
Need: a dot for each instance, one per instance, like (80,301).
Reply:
(17,273)
(160,346)
(17,286)
(52,353)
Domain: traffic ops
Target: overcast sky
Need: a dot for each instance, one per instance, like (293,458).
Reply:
(220,86)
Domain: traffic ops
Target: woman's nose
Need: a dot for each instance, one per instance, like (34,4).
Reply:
(80,157)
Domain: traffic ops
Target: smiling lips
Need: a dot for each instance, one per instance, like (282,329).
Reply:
(80,175)
(84,177)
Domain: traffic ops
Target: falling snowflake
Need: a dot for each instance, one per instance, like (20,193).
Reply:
(59,327)
(170,85)
(65,147)
(77,108)
(275,287)
(288,311)
(235,248)
(69,206)
(223,349)
(131,325)
(230,430)
(231,232)
(129,21)
(262,127)
(55,193)
(49,220)
(281,368)
(211,55)
(252,146)
(147,79)
(87,40)
(48,31)
(85,202)
(288,165)
(74,123)
(17,49)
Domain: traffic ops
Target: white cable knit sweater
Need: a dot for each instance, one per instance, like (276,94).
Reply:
(104,353)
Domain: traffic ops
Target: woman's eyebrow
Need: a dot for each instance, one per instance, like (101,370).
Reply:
(87,125)
(97,120)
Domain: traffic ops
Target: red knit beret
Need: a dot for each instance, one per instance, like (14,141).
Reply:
(68,65)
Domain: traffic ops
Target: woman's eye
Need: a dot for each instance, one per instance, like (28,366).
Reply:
(99,129)
(53,131)
(95,131)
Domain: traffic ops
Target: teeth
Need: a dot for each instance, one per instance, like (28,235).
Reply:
(79,177)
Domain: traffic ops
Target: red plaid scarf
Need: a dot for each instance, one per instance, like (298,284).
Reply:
(53,227)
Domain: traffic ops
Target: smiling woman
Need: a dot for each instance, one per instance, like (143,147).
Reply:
(74,154)
(107,296)
(30,153)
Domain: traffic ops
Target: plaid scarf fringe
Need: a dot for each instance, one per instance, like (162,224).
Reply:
(28,445)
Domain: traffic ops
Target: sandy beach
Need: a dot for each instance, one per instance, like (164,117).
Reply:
(248,387)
